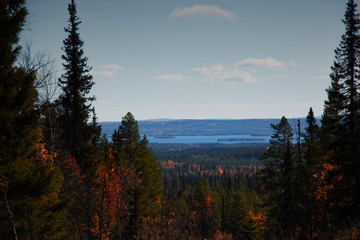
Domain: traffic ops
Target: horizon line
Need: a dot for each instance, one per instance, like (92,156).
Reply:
(195,119)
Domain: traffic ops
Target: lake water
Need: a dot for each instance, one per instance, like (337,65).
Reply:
(224,139)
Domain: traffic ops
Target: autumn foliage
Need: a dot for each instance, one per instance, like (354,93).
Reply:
(83,187)
(258,219)
(110,206)
(323,187)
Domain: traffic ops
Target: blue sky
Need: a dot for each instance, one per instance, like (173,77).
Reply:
(199,59)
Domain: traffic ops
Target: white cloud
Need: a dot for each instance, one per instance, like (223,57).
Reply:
(202,12)
(268,62)
(239,72)
(170,77)
(113,67)
(109,70)
(225,74)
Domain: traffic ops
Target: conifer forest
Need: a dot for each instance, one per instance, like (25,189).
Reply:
(60,178)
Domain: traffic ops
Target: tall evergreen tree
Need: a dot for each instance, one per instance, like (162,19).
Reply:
(347,57)
(202,205)
(280,179)
(311,143)
(288,198)
(96,130)
(331,121)
(29,206)
(311,167)
(142,177)
(341,119)
(18,118)
(75,133)
(76,84)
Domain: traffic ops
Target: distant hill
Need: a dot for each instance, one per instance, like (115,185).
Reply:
(206,127)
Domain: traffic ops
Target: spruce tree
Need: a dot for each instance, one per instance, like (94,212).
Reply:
(75,132)
(280,180)
(202,205)
(331,121)
(347,57)
(142,178)
(96,130)
(311,167)
(18,118)
(311,143)
(288,198)
(76,83)
(341,120)
(29,206)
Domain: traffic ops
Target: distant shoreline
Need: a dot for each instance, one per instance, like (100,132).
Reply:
(169,129)
(241,139)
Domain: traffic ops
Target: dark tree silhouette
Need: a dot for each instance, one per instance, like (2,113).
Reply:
(74,104)
(29,206)
(341,119)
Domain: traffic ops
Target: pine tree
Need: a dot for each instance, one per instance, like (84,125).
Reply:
(238,213)
(289,195)
(311,145)
(74,104)
(142,177)
(203,211)
(312,164)
(341,119)
(29,205)
(347,57)
(75,133)
(96,130)
(333,111)
(18,118)
(280,179)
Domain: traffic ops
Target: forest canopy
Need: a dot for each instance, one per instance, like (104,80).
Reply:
(60,179)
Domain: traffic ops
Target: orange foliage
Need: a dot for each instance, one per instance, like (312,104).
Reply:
(72,170)
(323,188)
(111,205)
(208,199)
(96,229)
(259,220)
(43,157)
(170,164)
(193,168)
(205,202)
(151,227)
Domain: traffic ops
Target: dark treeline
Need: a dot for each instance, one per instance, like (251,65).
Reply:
(210,156)
(224,166)
(59,179)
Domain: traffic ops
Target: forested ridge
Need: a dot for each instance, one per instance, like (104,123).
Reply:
(60,179)
(206,127)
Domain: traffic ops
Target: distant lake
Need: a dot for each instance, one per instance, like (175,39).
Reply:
(224,139)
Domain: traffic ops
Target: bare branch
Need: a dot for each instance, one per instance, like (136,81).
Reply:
(11,215)
(43,65)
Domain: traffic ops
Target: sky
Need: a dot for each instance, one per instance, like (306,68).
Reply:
(206,59)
